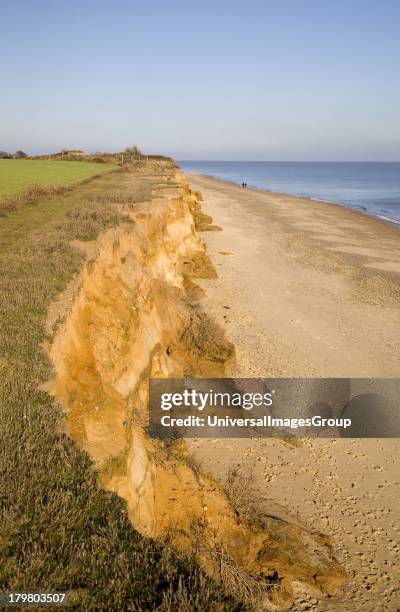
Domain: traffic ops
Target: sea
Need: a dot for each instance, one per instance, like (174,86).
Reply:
(371,187)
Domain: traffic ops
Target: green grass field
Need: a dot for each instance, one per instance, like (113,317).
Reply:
(17,175)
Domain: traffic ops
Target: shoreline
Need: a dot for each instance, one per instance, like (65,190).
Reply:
(389,221)
(310,291)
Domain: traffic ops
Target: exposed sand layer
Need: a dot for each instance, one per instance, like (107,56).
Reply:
(137,314)
(308,289)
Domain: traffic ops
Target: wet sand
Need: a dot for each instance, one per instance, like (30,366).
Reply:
(310,289)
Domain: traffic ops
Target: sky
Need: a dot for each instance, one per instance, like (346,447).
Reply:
(252,80)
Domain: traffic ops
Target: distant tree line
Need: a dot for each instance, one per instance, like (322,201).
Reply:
(130,154)
(17,155)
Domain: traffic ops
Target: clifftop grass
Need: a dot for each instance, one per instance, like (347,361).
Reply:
(58,529)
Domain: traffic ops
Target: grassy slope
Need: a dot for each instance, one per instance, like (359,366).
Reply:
(19,174)
(58,530)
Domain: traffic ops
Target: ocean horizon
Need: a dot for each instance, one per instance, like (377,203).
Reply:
(370,187)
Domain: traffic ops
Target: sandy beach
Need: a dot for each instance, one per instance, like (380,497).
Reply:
(310,289)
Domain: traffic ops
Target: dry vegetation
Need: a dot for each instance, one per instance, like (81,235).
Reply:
(29,196)
(58,529)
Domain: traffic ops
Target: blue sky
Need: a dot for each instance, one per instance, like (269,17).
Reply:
(273,80)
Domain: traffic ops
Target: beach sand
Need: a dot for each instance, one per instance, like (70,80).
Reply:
(310,289)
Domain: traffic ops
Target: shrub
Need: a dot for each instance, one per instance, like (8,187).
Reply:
(20,155)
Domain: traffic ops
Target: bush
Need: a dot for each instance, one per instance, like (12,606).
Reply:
(20,155)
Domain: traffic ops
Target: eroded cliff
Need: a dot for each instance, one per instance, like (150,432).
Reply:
(138,314)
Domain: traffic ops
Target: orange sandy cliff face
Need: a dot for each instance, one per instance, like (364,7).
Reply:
(138,315)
